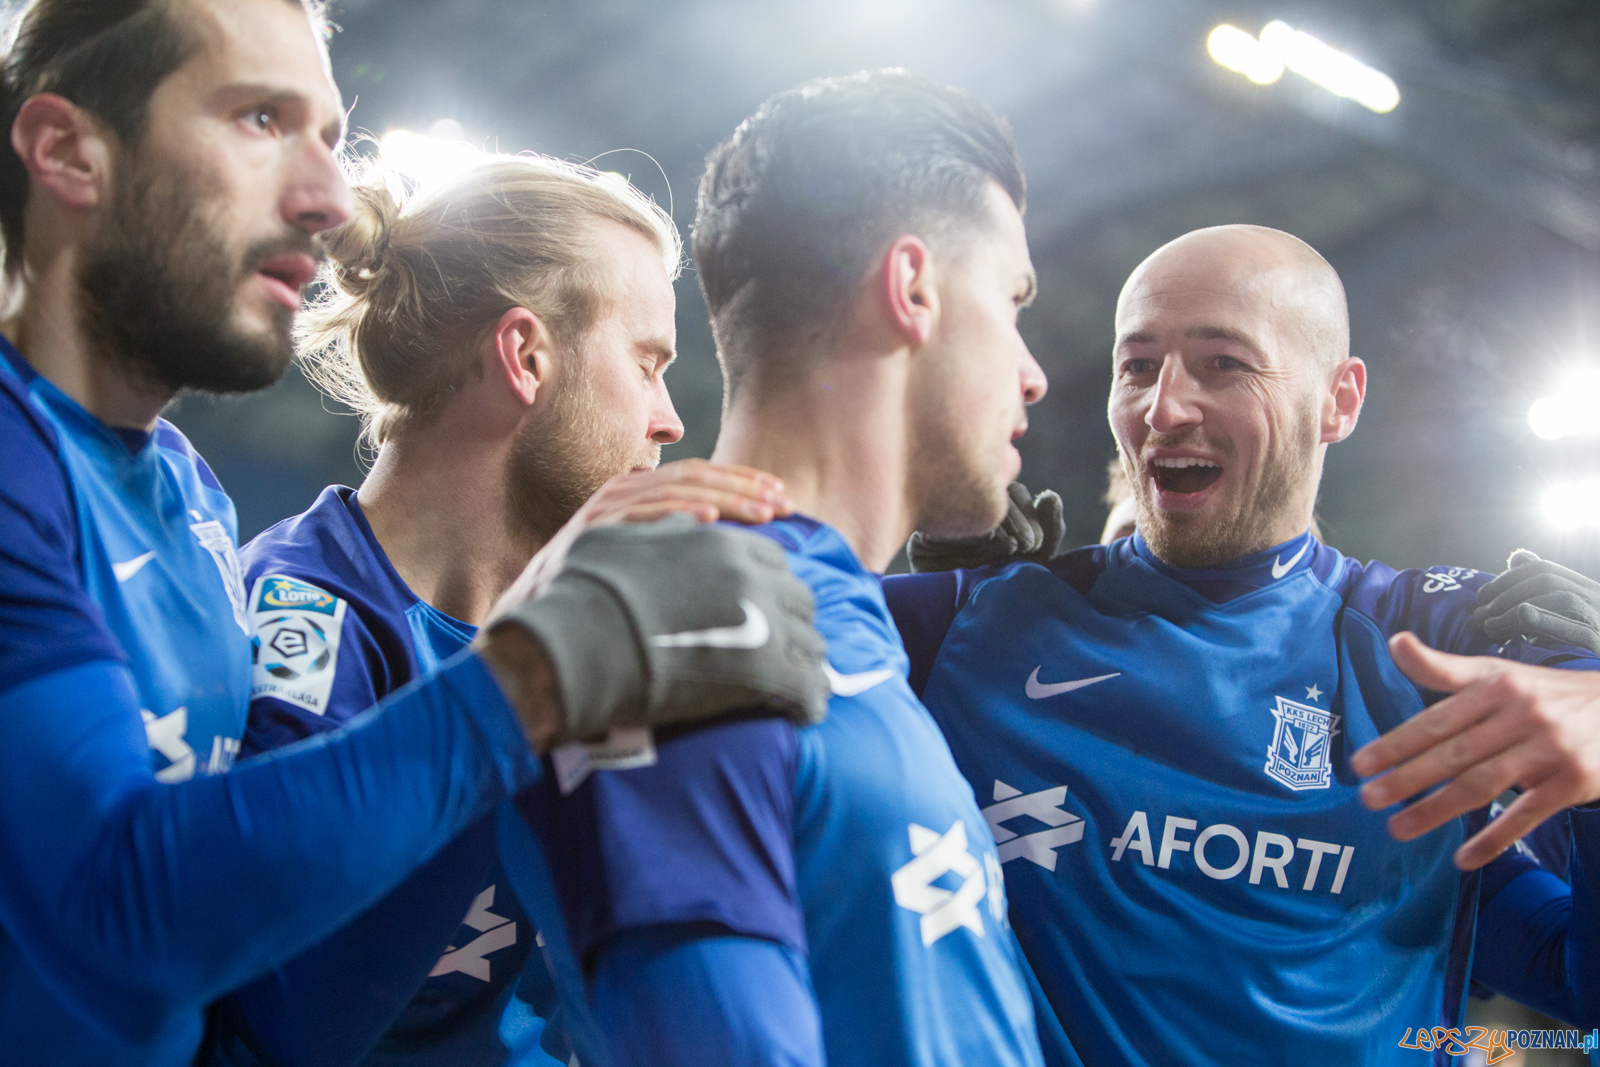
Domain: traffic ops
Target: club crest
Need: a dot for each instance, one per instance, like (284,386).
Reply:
(1301,753)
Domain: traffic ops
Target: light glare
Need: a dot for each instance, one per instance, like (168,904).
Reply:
(427,159)
(1574,411)
(1572,505)
(1281,45)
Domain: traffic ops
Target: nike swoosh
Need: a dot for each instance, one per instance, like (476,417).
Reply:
(750,634)
(1038,690)
(1279,568)
(849,685)
(129,568)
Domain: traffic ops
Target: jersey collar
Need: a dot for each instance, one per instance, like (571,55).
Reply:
(1243,575)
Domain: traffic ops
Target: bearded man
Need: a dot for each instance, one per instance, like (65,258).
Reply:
(1168,731)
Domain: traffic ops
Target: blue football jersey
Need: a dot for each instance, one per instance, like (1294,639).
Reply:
(854,842)
(337,630)
(1163,760)
(156,538)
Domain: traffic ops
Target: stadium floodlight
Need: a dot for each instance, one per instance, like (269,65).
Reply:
(1238,51)
(1572,504)
(1574,410)
(1281,46)
(426,159)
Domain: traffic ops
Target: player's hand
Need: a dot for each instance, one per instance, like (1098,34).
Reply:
(707,491)
(665,622)
(1032,530)
(1505,725)
(1537,598)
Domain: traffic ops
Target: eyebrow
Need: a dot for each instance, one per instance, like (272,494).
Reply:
(661,350)
(1196,333)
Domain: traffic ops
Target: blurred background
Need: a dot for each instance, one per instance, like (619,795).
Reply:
(1464,216)
(1465,221)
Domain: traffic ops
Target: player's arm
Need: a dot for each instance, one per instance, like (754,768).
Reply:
(135,899)
(1536,933)
(677,880)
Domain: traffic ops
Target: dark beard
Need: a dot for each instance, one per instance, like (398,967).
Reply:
(560,460)
(160,286)
(1178,543)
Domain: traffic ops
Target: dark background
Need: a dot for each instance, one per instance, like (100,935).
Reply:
(1465,224)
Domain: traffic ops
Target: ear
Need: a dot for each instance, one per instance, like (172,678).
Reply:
(522,352)
(913,297)
(1342,406)
(65,150)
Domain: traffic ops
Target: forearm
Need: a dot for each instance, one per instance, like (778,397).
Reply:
(697,996)
(140,899)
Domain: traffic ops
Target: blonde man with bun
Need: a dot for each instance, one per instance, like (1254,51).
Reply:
(503,338)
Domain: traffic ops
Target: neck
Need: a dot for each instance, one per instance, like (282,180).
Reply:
(48,330)
(839,439)
(437,502)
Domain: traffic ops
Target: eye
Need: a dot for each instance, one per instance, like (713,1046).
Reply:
(261,119)
(1137,367)
(1230,363)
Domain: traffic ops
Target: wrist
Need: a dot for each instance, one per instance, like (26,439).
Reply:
(519,663)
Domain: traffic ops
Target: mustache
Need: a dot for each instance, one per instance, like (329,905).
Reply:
(294,242)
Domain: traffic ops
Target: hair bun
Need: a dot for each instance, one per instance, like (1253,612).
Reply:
(357,250)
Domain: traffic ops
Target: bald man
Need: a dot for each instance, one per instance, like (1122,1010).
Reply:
(1164,730)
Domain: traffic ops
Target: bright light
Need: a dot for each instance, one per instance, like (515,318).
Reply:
(1238,51)
(1572,505)
(1573,412)
(428,159)
(1280,46)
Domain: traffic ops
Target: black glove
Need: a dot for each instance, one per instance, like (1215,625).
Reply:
(1032,530)
(673,621)
(1537,598)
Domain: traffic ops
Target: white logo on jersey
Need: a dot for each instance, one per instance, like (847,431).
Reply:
(1301,753)
(129,567)
(750,634)
(851,685)
(937,855)
(1038,690)
(165,735)
(1445,579)
(1273,852)
(296,649)
(1044,806)
(1280,568)
(498,932)
(215,540)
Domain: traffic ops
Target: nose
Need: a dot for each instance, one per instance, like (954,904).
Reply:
(1173,406)
(317,197)
(665,427)
(1034,383)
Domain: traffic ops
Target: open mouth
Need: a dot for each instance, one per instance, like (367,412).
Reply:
(1184,475)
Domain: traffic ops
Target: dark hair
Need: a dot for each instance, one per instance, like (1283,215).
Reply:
(106,56)
(795,207)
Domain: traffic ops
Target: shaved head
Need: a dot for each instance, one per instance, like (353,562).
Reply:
(1231,376)
(1287,274)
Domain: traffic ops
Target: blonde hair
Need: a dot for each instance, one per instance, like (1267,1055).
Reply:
(414,278)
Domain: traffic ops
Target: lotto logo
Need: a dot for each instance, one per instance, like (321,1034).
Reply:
(1228,858)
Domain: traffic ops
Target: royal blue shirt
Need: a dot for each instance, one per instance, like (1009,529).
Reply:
(446,969)
(853,848)
(138,882)
(1163,759)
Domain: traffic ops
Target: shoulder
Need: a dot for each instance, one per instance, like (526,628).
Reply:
(1435,603)
(178,449)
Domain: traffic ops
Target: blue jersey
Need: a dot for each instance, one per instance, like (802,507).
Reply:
(156,537)
(139,884)
(338,630)
(855,845)
(1163,759)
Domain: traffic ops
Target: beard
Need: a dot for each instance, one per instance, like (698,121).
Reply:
(160,288)
(559,461)
(1190,542)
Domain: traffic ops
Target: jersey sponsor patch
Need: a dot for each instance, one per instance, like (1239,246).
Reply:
(296,644)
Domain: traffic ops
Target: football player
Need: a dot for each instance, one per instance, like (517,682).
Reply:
(765,895)
(168,167)
(505,336)
(1167,732)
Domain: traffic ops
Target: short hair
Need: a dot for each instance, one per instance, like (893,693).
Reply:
(417,275)
(796,206)
(106,56)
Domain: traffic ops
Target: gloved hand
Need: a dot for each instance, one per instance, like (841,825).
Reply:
(673,621)
(1032,530)
(1537,598)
